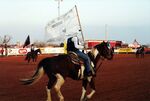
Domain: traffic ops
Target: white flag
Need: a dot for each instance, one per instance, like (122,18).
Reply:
(61,27)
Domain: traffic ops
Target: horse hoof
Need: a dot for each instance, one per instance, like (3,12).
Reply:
(85,98)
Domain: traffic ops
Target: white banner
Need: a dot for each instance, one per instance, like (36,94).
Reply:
(62,27)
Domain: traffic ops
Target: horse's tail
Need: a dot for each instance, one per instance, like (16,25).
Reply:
(26,57)
(36,76)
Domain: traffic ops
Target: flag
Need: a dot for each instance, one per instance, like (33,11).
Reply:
(63,26)
(27,41)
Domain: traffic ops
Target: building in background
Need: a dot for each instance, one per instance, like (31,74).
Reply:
(113,43)
(135,44)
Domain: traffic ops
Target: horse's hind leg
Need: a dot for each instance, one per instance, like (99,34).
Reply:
(84,85)
(52,80)
(28,59)
(137,56)
(59,83)
(32,59)
(142,55)
(49,98)
(36,58)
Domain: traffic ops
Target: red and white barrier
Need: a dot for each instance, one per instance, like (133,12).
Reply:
(24,51)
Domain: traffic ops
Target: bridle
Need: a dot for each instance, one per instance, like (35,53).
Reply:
(97,54)
(98,62)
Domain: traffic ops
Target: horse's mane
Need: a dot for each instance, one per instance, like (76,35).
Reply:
(91,56)
(100,45)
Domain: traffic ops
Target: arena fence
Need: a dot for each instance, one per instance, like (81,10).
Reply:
(125,50)
(24,51)
(56,50)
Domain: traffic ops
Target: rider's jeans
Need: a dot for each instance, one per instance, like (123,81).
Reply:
(86,60)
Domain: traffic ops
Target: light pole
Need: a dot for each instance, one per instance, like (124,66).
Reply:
(58,6)
(106,33)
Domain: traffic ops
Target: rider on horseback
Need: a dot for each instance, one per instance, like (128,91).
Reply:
(74,45)
(32,47)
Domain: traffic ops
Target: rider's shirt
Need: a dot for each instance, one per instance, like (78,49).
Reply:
(73,44)
(32,48)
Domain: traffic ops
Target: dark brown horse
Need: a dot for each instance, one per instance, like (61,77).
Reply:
(33,55)
(58,68)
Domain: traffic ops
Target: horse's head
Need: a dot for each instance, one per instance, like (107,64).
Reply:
(38,51)
(103,51)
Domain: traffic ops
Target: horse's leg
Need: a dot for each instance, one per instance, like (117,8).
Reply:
(52,80)
(142,55)
(26,57)
(92,85)
(32,58)
(136,54)
(29,59)
(49,98)
(59,83)
(36,58)
(84,85)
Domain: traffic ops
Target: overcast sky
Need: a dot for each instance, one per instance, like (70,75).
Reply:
(126,19)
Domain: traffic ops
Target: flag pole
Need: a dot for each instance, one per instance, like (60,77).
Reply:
(58,8)
(79,23)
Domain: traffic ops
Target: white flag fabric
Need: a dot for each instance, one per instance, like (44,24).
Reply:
(62,27)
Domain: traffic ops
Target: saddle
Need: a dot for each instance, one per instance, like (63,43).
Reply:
(75,59)
(78,61)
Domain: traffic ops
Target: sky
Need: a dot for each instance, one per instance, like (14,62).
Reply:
(126,20)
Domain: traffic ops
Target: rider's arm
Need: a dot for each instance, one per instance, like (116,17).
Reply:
(76,43)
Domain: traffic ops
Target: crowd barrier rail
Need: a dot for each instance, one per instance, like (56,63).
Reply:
(54,50)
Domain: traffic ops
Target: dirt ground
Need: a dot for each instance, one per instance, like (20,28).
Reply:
(125,78)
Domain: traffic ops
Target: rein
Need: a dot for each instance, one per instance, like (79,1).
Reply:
(98,65)
(98,61)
